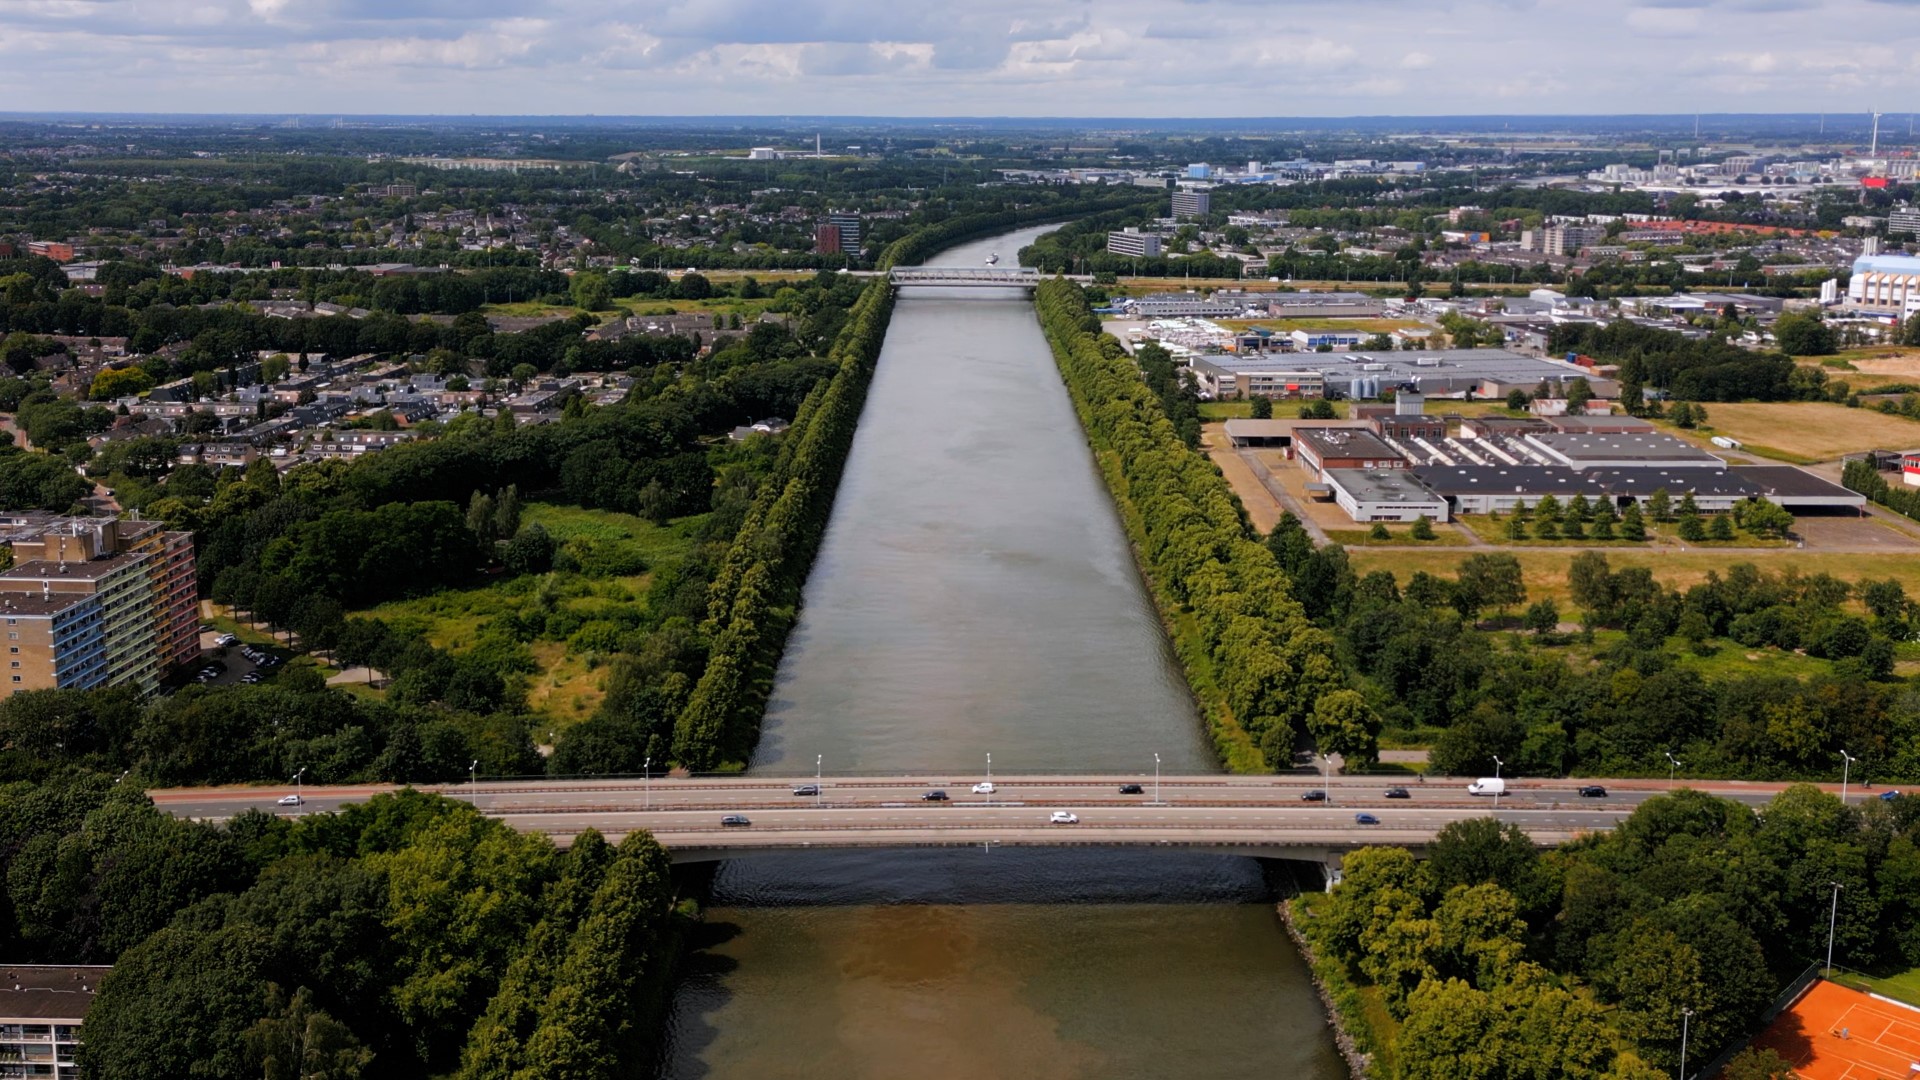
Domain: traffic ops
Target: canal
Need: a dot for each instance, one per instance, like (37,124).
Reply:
(974,597)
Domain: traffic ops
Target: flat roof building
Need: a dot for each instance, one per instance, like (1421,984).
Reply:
(1321,449)
(42,1007)
(1621,451)
(1134,244)
(1383,495)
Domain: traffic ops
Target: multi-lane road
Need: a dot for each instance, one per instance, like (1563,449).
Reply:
(1227,812)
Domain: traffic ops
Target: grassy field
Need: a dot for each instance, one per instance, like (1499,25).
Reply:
(604,564)
(1545,569)
(1902,987)
(1810,430)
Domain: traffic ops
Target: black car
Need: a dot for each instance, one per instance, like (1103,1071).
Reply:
(735,819)
(1313,796)
(807,789)
(1132,789)
(1397,793)
(934,796)
(1593,791)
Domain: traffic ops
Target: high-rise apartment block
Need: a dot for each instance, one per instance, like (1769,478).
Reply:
(1133,242)
(93,602)
(1905,219)
(848,226)
(1192,204)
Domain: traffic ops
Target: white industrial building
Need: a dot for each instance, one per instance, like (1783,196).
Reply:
(1885,285)
(1383,495)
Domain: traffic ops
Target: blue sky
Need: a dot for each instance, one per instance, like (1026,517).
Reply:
(961,57)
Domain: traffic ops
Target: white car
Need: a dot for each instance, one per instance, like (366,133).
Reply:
(984,787)
(1061,817)
(290,800)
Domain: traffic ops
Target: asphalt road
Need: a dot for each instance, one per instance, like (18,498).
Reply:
(694,805)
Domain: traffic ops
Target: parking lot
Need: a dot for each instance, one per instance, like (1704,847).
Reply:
(226,660)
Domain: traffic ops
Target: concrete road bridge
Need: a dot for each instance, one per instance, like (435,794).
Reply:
(1269,816)
(964,277)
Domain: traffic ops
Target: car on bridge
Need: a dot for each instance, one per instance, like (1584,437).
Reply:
(1396,793)
(732,820)
(1593,791)
(1062,817)
(984,787)
(807,789)
(1313,796)
(934,796)
(1365,819)
(1132,789)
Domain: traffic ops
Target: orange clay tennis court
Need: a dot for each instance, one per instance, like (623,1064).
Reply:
(1833,1033)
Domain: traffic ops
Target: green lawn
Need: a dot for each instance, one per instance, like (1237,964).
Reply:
(1396,534)
(1902,987)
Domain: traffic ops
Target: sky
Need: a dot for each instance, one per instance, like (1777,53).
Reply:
(1141,58)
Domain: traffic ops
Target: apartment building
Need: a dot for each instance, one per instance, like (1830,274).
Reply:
(1905,219)
(1192,204)
(97,602)
(41,1009)
(1134,243)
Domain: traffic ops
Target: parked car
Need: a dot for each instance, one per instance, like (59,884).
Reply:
(290,800)
(1132,789)
(807,789)
(1397,793)
(984,787)
(1593,791)
(1313,796)
(226,641)
(252,677)
(735,819)
(934,796)
(1061,817)
(1365,819)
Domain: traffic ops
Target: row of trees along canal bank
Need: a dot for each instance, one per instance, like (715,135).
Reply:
(406,937)
(1494,961)
(1264,674)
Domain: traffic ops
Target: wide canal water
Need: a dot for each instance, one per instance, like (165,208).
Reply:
(975,596)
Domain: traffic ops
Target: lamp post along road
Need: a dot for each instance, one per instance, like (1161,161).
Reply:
(1497,766)
(1833,918)
(297,800)
(1846,770)
(817,759)
(1686,1015)
(646,781)
(1156,779)
(471,766)
(1673,766)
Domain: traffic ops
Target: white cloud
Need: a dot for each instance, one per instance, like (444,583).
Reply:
(914,57)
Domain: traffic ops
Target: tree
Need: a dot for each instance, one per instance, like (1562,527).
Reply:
(1542,618)
(297,1041)
(1757,1063)
(1343,723)
(1422,528)
(1262,408)
(1379,532)
(1517,400)
(590,291)
(1579,393)
(1721,527)
(1660,505)
(1496,580)
(1766,518)
(113,383)
(1692,529)
(1632,525)
(178,1004)
(1804,334)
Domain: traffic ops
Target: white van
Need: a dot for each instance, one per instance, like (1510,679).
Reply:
(1488,785)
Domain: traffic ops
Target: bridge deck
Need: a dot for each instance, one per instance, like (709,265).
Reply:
(965,277)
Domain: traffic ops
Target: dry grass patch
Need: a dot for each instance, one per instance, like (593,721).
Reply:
(1545,570)
(1813,430)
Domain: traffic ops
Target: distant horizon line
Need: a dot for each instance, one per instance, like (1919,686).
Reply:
(1866,114)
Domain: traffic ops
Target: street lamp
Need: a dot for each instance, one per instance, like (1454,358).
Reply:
(1497,765)
(817,758)
(1833,917)
(471,767)
(646,780)
(297,800)
(1686,1015)
(1673,766)
(1326,777)
(989,768)
(1846,767)
(1156,779)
